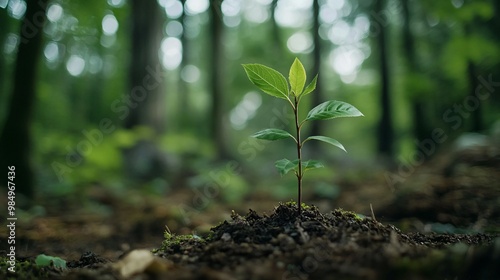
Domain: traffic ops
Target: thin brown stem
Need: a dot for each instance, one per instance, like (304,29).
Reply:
(299,154)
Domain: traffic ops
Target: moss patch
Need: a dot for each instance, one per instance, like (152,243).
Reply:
(24,269)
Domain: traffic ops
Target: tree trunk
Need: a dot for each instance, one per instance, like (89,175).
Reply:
(495,21)
(4,22)
(184,106)
(316,128)
(276,35)
(147,31)
(477,118)
(216,83)
(385,127)
(145,106)
(15,139)
(94,100)
(420,129)
(476,115)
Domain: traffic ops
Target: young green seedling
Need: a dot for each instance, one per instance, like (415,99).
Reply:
(275,84)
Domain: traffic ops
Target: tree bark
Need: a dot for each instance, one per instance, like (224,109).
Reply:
(94,100)
(15,139)
(4,22)
(477,116)
(276,34)
(147,33)
(184,106)
(216,84)
(385,127)
(420,129)
(316,128)
(144,161)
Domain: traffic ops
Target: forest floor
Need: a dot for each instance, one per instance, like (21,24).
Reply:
(440,222)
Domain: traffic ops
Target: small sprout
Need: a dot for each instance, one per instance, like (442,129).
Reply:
(275,84)
(167,234)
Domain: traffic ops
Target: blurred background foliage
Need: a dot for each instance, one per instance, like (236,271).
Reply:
(87,128)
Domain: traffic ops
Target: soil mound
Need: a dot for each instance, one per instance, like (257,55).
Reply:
(338,244)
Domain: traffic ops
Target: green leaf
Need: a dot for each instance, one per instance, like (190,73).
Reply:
(332,109)
(311,164)
(311,86)
(44,260)
(297,77)
(272,134)
(284,165)
(327,140)
(267,79)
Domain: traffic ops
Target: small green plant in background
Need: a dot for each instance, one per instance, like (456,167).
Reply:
(275,84)
(43,260)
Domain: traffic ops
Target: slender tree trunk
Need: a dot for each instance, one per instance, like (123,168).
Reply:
(316,128)
(216,83)
(184,106)
(147,33)
(420,130)
(476,115)
(276,34)
(94,100)
(495,26)
(385,127)
(4,22)
(15,138)
(477,118)
(145,104)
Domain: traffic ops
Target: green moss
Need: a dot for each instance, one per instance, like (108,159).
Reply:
(349,214)
(292,203)
(23,270)
(176,240)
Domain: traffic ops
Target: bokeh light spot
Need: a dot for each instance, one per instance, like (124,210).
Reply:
(109,25)
(75,65)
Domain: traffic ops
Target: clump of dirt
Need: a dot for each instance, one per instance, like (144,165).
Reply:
(313,245)
(88,260)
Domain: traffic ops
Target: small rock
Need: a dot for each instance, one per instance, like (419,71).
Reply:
(225,237)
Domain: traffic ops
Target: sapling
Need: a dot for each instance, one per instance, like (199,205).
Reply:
(275,84)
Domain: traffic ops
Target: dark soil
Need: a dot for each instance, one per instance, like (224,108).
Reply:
(283,245)
(337,245)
